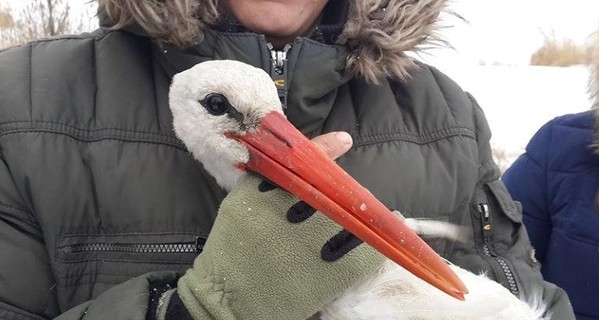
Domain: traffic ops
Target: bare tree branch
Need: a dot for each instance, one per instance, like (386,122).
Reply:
(42,19)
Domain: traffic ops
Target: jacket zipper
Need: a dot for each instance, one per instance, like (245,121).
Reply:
(278,71)
(179,247)
(487,230)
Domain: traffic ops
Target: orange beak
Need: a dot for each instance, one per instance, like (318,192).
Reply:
(280,153)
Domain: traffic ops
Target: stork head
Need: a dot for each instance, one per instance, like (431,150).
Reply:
(217,99)
(229,116)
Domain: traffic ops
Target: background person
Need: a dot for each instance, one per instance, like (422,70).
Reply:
(557,182)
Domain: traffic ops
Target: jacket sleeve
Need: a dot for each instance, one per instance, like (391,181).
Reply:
(501,239)
(526,180)
(26,284)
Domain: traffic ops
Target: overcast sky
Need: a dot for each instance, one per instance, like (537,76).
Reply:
(508,31)
(498,31)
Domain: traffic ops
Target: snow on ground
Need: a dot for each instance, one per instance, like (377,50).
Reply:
(518,100)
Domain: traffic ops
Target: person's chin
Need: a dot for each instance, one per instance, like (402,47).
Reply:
(281,35)
(278,30)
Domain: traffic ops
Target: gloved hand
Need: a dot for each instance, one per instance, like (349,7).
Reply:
(257,264)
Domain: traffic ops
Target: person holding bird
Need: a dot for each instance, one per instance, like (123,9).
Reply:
(105,213)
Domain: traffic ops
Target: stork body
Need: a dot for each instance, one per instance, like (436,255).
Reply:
(228,115)
(394,293)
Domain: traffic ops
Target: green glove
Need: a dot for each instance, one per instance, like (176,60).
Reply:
(258,265)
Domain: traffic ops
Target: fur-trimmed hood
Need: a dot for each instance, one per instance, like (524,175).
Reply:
(379,33)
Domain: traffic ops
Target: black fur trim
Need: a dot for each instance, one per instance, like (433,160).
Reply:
(333,19)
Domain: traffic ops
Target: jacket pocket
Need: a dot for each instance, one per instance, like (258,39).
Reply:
(134,247)
(509,207)
(128,247)
(87,265)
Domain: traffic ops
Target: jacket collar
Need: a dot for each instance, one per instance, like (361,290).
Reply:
(315,71)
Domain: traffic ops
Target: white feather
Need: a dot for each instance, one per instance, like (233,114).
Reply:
(395,294)
(434,228)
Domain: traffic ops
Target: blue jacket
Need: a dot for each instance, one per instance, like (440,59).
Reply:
(556,181)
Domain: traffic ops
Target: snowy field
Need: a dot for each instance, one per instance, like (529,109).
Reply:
(518,100)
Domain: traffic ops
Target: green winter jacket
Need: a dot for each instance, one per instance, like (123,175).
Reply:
(97,193)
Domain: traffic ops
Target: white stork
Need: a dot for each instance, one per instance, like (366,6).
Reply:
(229,116)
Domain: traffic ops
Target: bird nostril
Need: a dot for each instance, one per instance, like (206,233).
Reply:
(249,125)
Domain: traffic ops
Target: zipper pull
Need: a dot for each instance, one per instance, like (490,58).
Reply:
(278,71)
(485,215)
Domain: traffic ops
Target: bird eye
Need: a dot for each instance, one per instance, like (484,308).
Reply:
(216,104)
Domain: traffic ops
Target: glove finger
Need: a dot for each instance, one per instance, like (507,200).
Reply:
(266,185)
(336,247)
(299,212)
(339,245)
